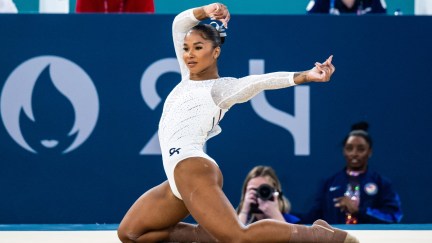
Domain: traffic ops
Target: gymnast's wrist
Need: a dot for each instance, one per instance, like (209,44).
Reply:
(206,10)
(200,13)
(300,77)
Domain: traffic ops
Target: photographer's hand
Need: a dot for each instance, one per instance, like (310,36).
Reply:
(270,208)
(250,198)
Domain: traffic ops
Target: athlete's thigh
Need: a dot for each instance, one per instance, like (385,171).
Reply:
(157,209)
(199,182)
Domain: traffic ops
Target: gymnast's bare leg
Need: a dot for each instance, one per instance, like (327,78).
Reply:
(155,216)
(202,194)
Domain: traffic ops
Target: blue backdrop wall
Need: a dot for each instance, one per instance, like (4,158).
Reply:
(81,96)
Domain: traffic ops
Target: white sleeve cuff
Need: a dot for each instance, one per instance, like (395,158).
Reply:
(192,15)
(291,78)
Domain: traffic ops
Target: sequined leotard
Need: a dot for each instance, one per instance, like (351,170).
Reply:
(193,109)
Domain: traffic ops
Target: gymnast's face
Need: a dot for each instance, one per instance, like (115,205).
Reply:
(199,54)
(357,152)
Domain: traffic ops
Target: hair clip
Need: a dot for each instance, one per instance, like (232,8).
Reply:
(220,28)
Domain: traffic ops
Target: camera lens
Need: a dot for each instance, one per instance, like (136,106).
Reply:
(265,192)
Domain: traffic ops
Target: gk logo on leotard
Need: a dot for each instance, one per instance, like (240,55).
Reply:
(174,150)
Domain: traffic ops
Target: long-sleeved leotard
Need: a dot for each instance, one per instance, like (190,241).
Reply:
(193,109)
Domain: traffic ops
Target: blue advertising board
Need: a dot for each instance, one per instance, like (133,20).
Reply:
(81,97)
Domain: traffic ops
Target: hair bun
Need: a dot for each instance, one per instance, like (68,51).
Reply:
(364,126)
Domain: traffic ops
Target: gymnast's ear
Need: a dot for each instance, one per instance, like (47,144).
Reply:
(216,52)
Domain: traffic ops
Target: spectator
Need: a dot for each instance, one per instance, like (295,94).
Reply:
(337,7)
(262,198)
(7,6)
(356,194)
(115,6)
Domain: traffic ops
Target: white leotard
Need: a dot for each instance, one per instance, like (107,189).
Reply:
(193,109)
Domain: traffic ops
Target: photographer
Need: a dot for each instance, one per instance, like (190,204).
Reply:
(262,198)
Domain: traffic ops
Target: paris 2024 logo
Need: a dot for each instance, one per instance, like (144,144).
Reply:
(49,103)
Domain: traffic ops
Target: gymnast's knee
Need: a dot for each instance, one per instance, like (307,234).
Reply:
(127,236)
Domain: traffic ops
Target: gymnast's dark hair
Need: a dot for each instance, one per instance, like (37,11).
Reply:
(360,129)
(215,34)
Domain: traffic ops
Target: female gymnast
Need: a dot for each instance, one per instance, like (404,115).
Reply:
(190,117)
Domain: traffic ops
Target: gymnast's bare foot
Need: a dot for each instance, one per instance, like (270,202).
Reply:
(333,235)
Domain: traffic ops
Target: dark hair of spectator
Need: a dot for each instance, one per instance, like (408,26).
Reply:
(360,129)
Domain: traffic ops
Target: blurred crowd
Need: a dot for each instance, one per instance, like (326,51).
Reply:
(334,7)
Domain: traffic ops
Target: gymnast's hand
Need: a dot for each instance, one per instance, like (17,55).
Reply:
(218,11)
(322,71)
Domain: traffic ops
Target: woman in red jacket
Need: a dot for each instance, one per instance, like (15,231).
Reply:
(115,6)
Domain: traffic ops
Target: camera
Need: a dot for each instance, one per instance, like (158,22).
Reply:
(265,192)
